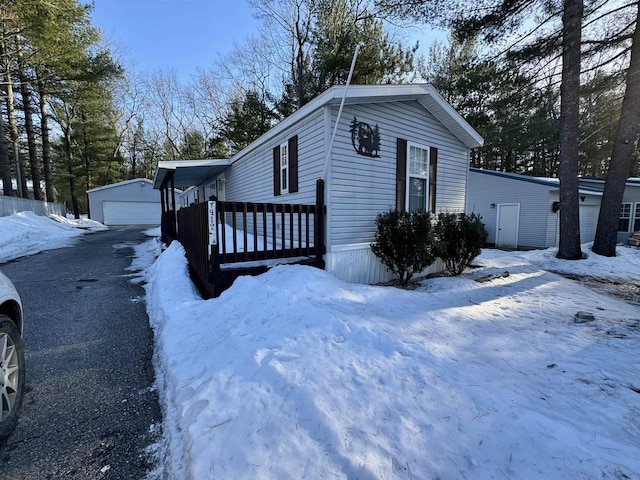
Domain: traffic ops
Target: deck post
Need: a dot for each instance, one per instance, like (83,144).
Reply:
(319,224)
(174,221)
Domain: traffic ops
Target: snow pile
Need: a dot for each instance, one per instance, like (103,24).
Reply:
(82,222)
(145,255)
(294,374)
(26,233)
(624,266)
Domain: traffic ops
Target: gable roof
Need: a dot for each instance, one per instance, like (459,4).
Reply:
(120,184)
(199,171)
(423,93)
(553,183)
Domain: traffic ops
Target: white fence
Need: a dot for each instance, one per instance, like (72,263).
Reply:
(11,205)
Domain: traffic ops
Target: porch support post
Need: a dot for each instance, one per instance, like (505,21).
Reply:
(319,230)
(173,192)
(174,215)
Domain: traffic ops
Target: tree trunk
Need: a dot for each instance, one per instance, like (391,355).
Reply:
(46,145)
(28,124)
(5,162)
(72,178)
(622,156)
(569,248)
(13,127)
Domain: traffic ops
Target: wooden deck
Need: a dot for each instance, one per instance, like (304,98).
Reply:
(247,238)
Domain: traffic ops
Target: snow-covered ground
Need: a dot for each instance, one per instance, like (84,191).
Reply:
(294,374)
(26,233)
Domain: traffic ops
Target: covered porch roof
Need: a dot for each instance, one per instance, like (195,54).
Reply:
(187,173)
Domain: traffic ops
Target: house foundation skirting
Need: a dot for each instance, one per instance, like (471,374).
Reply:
(356,263)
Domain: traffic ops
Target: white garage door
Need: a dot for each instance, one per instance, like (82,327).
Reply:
(131,213)
(588,222)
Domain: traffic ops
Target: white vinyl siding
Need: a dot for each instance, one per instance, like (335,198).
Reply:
(250,179)
(538,223)
(631,195)
(362,187)
(535,207)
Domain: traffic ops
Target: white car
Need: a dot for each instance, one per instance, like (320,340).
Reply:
(12,366)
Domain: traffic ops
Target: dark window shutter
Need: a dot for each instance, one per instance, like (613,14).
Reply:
(293,164)
(276,170)
(401,174)
(433,173)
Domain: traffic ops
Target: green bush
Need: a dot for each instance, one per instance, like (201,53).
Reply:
(404,242)
(459,239)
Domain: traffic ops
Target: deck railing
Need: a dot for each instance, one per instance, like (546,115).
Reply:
(249,232)
(193,234)
(263,231)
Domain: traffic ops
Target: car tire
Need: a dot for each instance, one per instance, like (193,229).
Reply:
(12,375)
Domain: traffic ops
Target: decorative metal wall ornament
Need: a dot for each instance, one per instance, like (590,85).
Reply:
(365,140)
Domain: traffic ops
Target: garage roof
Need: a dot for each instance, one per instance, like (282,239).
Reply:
(550,182)
(189,172)
(120,184)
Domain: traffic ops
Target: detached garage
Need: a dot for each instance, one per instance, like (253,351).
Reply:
(522,212)
(133,202)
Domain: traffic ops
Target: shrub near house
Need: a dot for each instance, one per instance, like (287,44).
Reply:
(404,242)
(459,240)
(407,242)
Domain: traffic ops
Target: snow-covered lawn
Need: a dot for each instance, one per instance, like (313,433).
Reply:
(294,374)
(26,233)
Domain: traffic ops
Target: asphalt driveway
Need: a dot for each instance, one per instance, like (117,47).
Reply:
(90,410)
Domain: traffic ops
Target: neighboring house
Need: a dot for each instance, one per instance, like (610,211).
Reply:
(522,212)
(396,146)
(629,220)
(133,202)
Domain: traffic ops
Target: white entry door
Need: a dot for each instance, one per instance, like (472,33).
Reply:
(508,224)
(588,222)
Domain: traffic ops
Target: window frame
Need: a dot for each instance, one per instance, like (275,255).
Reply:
(284,168)
(425,206)
(628,218)
(635,218)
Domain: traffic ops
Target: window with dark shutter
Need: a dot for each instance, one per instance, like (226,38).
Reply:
(285,167)
(433,173)
(416,176)
(401,174)
(293,164)
(276,171)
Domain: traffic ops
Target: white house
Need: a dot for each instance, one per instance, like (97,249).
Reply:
(629,220)
(522,212)
(132,202)
(395,146)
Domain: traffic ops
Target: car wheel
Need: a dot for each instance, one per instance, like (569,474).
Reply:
(12,370)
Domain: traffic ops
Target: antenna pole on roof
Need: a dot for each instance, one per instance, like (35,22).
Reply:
(344,96)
